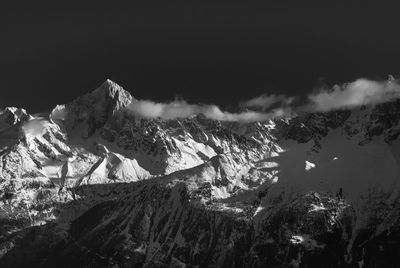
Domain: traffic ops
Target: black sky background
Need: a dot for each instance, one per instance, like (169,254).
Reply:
(218,52)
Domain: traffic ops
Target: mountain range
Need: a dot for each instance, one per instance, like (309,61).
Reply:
(91,184)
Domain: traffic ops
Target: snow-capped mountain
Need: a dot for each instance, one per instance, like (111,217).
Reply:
(90,184)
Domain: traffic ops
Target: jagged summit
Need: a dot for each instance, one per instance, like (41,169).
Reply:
(92,110)
(113,90)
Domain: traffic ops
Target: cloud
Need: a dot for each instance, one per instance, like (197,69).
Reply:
(358,93)
(35,127)
(265,102)
(172,110)
(214,112)
(265,107)
(182,109)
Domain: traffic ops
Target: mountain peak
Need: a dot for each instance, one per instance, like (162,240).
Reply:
(110,83)
(97,107)
(110,93)
(113,90)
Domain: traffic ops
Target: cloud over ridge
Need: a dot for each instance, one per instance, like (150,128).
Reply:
(182,109)
(360,92)
(265,107)
(265,102)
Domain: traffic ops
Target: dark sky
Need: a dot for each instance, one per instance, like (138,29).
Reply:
(207,51)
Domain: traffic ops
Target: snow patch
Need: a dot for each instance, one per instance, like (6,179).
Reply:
(35,127)
(258,210)
(309,165)
(306,241)
(315,207)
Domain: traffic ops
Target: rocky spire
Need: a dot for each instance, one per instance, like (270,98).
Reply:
(96,108)
(111,90)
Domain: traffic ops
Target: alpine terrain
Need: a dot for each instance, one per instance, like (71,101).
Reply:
(91,184)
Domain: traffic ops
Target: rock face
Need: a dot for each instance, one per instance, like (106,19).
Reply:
(91,185)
